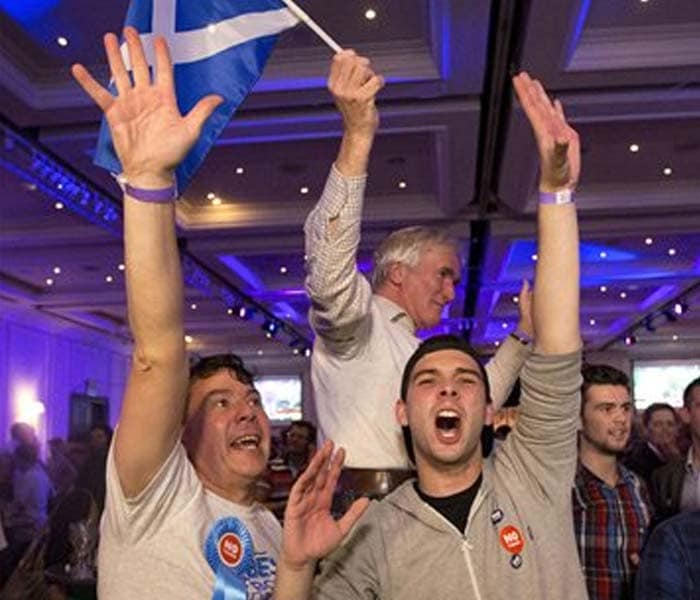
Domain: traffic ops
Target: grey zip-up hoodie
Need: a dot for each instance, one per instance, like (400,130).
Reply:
(518,542)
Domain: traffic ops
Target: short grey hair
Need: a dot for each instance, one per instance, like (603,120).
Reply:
(406,246)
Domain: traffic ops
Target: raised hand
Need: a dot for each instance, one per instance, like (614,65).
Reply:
(354,86)
(310,531)
(558,143)
(150,135)
(525,309)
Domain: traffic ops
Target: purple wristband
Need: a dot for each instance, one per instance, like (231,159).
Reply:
(558,197)
(162,196)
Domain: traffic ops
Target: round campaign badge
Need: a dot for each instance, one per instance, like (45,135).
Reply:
(512,539)
(496,516)
(516,561)
(229,545)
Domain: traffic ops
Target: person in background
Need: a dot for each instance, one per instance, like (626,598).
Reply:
(660,443)
(670,567)
(675,487)
(610,503)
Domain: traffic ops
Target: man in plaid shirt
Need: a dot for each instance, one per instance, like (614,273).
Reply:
(610,503)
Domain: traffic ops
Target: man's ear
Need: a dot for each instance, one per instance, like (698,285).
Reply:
(400,412)
(396,273)
(488,414)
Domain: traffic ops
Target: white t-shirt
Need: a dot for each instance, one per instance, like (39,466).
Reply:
(154,545)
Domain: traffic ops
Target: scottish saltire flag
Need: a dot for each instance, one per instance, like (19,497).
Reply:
(217,47)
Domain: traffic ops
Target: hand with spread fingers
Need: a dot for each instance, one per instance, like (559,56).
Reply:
(310,531)
(150,135)
(557,141)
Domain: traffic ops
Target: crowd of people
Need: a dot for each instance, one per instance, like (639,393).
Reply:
(412,502)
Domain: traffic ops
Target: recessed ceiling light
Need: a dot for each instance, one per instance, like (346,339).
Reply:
(268,335)
(304,190)
(534,257)
(49,281)
(603,254)
(674,337)
(57,270)
(623,295)
(649,241)
(121,266)
(591,321)
(260,352)
(211,196)
(671,251)
(516,299)
(283,270)
(370,14)
(188,339)
(668,171)
(504,325)
(307,352)
(402,185)
(634,147)
(109,279)
(193,306)
(295,351)
(240,170)
(497,343)
(62,41)
(216,201)
(603,288)
(59,206)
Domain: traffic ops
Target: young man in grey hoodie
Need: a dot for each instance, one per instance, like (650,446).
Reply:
(469,527)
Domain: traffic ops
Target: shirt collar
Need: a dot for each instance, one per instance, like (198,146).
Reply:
(689,461)
(395,313)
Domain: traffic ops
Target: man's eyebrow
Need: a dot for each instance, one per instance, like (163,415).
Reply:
(458,371)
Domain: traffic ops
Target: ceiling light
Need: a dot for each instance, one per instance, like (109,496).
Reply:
(216,201)
(59,206)
(121,266)
(671,251)
(534,257)
(504,325)
(283,270)
(211,196)
(57,270)
(649,241)
(668,171)
(370,14)
(295,351)
(591,321)
(62,41)
(188,339)
(49,281)
(307,352)
(603,254)
(603,288)
(630,340)
(497,343)
(240,170)
(679,308)
(634,147)
(304,190)
(109,279)
(674,337)
(260,352)
(623,295)
(268,335)
(270,327)
(229,311)
(402,185)
(193,306)
(516,299)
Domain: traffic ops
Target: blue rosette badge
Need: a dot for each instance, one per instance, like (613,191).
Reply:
(230,553)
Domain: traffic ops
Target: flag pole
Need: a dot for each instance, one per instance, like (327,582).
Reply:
(303,16)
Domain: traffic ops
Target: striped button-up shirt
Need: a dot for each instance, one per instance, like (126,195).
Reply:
(611,525)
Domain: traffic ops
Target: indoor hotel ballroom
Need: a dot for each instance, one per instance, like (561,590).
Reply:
(453,150)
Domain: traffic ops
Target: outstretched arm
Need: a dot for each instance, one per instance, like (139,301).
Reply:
(339,294)
(151,137)
(310,531)
(556,295)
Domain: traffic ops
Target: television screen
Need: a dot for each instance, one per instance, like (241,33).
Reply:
(281,396)
(662,380)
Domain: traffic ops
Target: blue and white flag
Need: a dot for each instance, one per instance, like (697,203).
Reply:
(217,47)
